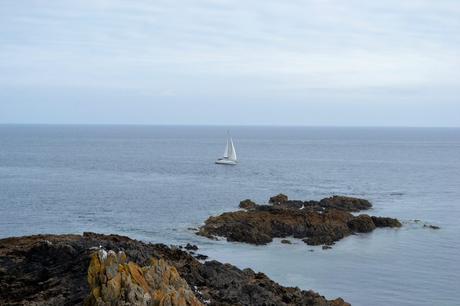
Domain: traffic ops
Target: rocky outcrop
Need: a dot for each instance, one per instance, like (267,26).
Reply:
(349,204)
(362,224)
(345,203)
(115,281)
(316,222)
(385,222)
(64,270)
(247,204)
(278,199)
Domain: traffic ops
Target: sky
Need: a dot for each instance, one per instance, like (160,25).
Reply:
(260,62)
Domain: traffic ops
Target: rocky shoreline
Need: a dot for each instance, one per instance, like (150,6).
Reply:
(96,269)
(315,222)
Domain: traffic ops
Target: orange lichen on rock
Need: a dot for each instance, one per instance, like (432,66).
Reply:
(114,281)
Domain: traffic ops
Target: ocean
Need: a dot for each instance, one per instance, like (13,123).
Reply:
(154,183)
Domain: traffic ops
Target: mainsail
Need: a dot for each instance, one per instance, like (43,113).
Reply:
(227,150)
(231,153)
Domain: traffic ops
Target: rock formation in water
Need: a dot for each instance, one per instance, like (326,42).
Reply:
(74,269)
(316,222)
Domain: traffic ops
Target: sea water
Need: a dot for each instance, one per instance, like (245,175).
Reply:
(156,182)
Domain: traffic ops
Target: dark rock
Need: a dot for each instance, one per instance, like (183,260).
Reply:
(345,203)
(247,204)
(278,199)
(53,270)
(201,257)
(191,247)
(361,224)
(317,223)
(435,227)
(349,204)
(286,241)
(326,247)
(386,222)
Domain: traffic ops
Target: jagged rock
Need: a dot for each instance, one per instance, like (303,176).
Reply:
(55,270)
(278,199)
(201,257)
(191,247)
(317,223)
(247,204)
(114,281)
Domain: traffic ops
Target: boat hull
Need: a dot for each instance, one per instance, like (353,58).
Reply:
(225,162)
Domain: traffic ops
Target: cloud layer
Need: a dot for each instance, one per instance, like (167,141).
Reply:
(287,56)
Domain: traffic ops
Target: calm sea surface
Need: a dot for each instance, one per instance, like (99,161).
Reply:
(153,183)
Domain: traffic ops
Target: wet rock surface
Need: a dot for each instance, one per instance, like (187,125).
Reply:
(191,247)
(63,270)
(316,222)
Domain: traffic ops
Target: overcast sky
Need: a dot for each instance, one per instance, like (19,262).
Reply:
(340,63)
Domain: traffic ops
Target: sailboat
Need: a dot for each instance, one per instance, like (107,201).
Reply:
(229,154)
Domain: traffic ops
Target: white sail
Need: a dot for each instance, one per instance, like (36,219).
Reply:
(226,152)
(231,151)
(229,157)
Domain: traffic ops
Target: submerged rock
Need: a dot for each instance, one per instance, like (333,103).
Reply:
(317,223)
(286,241)
(435,227)
(65,270)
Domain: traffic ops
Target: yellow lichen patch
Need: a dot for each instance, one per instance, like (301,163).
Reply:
(94,270)
(137,275)
(115,282)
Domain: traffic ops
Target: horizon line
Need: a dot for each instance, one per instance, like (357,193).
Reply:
(229,125)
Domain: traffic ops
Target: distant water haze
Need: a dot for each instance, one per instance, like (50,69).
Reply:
(155,182)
